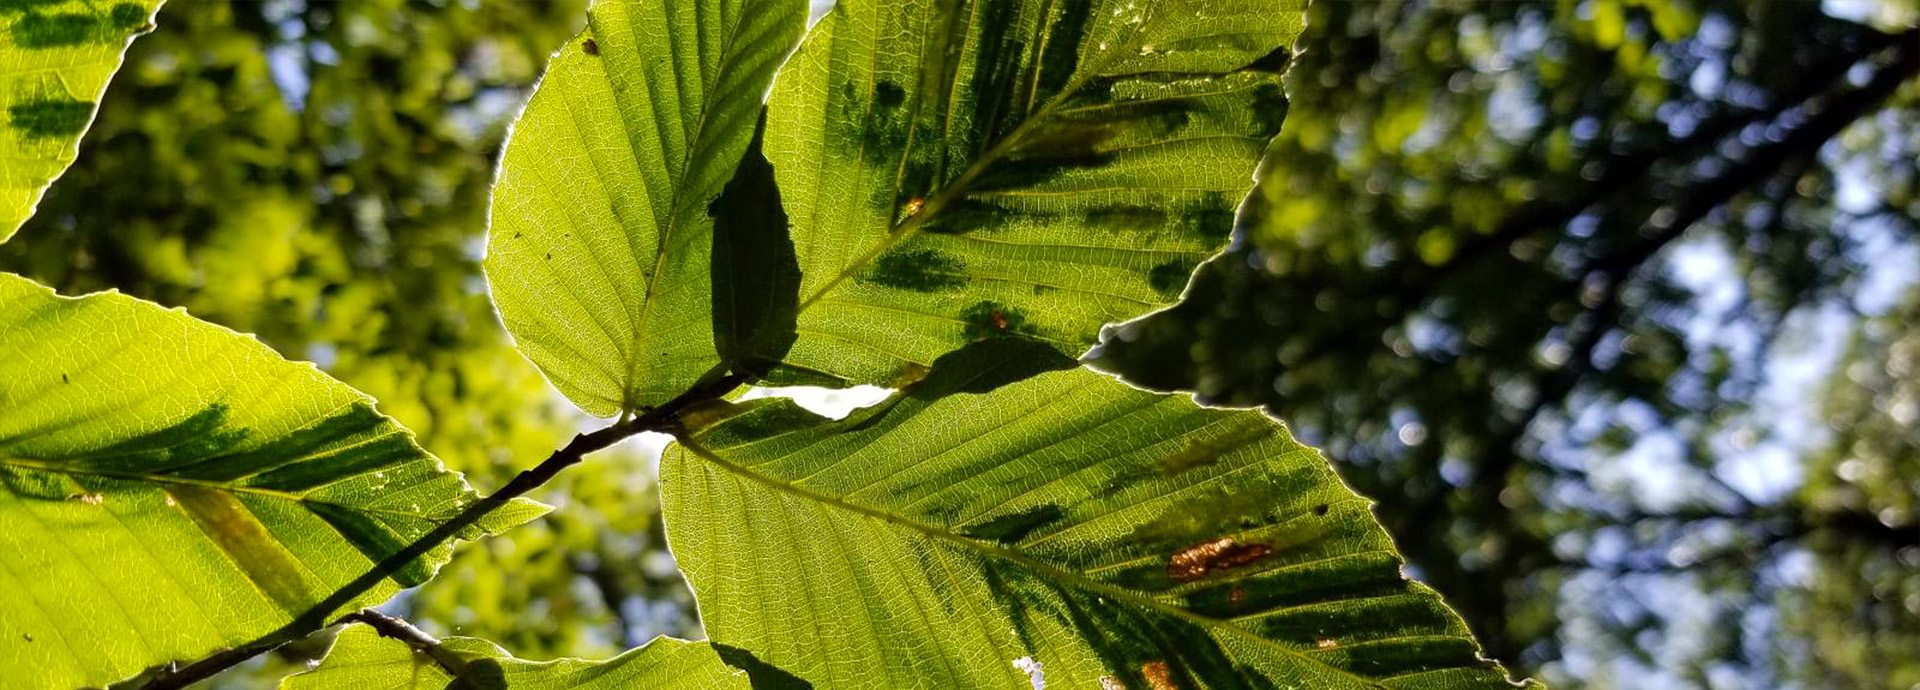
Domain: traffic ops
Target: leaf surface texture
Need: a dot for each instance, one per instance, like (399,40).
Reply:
(55,61)
(958,171)
(1118,538)
(169,488)
(602,227)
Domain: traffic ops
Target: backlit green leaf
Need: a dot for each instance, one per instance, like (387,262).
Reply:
(964,170)
(602,226)
(169,488)
(362,660)
(1067,527)
(55,59)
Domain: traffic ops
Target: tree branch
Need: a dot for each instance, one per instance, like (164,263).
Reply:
(1827,120)
(395,628)
(664,418)
(1621,170)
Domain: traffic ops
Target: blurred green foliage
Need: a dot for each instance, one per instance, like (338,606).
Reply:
(1870,470)
(1535,275)
(318,174)
(1532,274)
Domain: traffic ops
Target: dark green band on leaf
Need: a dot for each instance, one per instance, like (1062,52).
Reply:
(49,118)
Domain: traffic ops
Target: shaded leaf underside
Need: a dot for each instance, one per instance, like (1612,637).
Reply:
(599,250)
(959,171)
(55,60)
(169,487)
(1119,538)
(362,660)
(756,277)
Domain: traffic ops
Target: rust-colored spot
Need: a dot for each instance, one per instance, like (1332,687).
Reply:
(1237,597)
(914,204)
(1194,562)
(909,374)
(589,47)
(988,320)
(1111,683)
(1158,675)
(1324,643)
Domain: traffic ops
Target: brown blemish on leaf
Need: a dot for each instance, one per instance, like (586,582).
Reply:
(1158,675)
(910,373)
(1193,454)
(1238,596)
(1324,643)
(988,320)
(233,527)
(589,47)
(89,498)
(1203,452)
(1194,562)
(1320,509)
(914,204)
(706,414)
(1111,683)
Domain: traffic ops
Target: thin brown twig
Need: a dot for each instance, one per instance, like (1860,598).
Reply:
(394,627)
(664,418)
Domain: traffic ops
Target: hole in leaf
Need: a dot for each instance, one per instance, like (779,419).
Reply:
(832,403)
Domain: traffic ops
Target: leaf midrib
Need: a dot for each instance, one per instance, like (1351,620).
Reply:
(710,96)
(1017,558)
(49,466)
